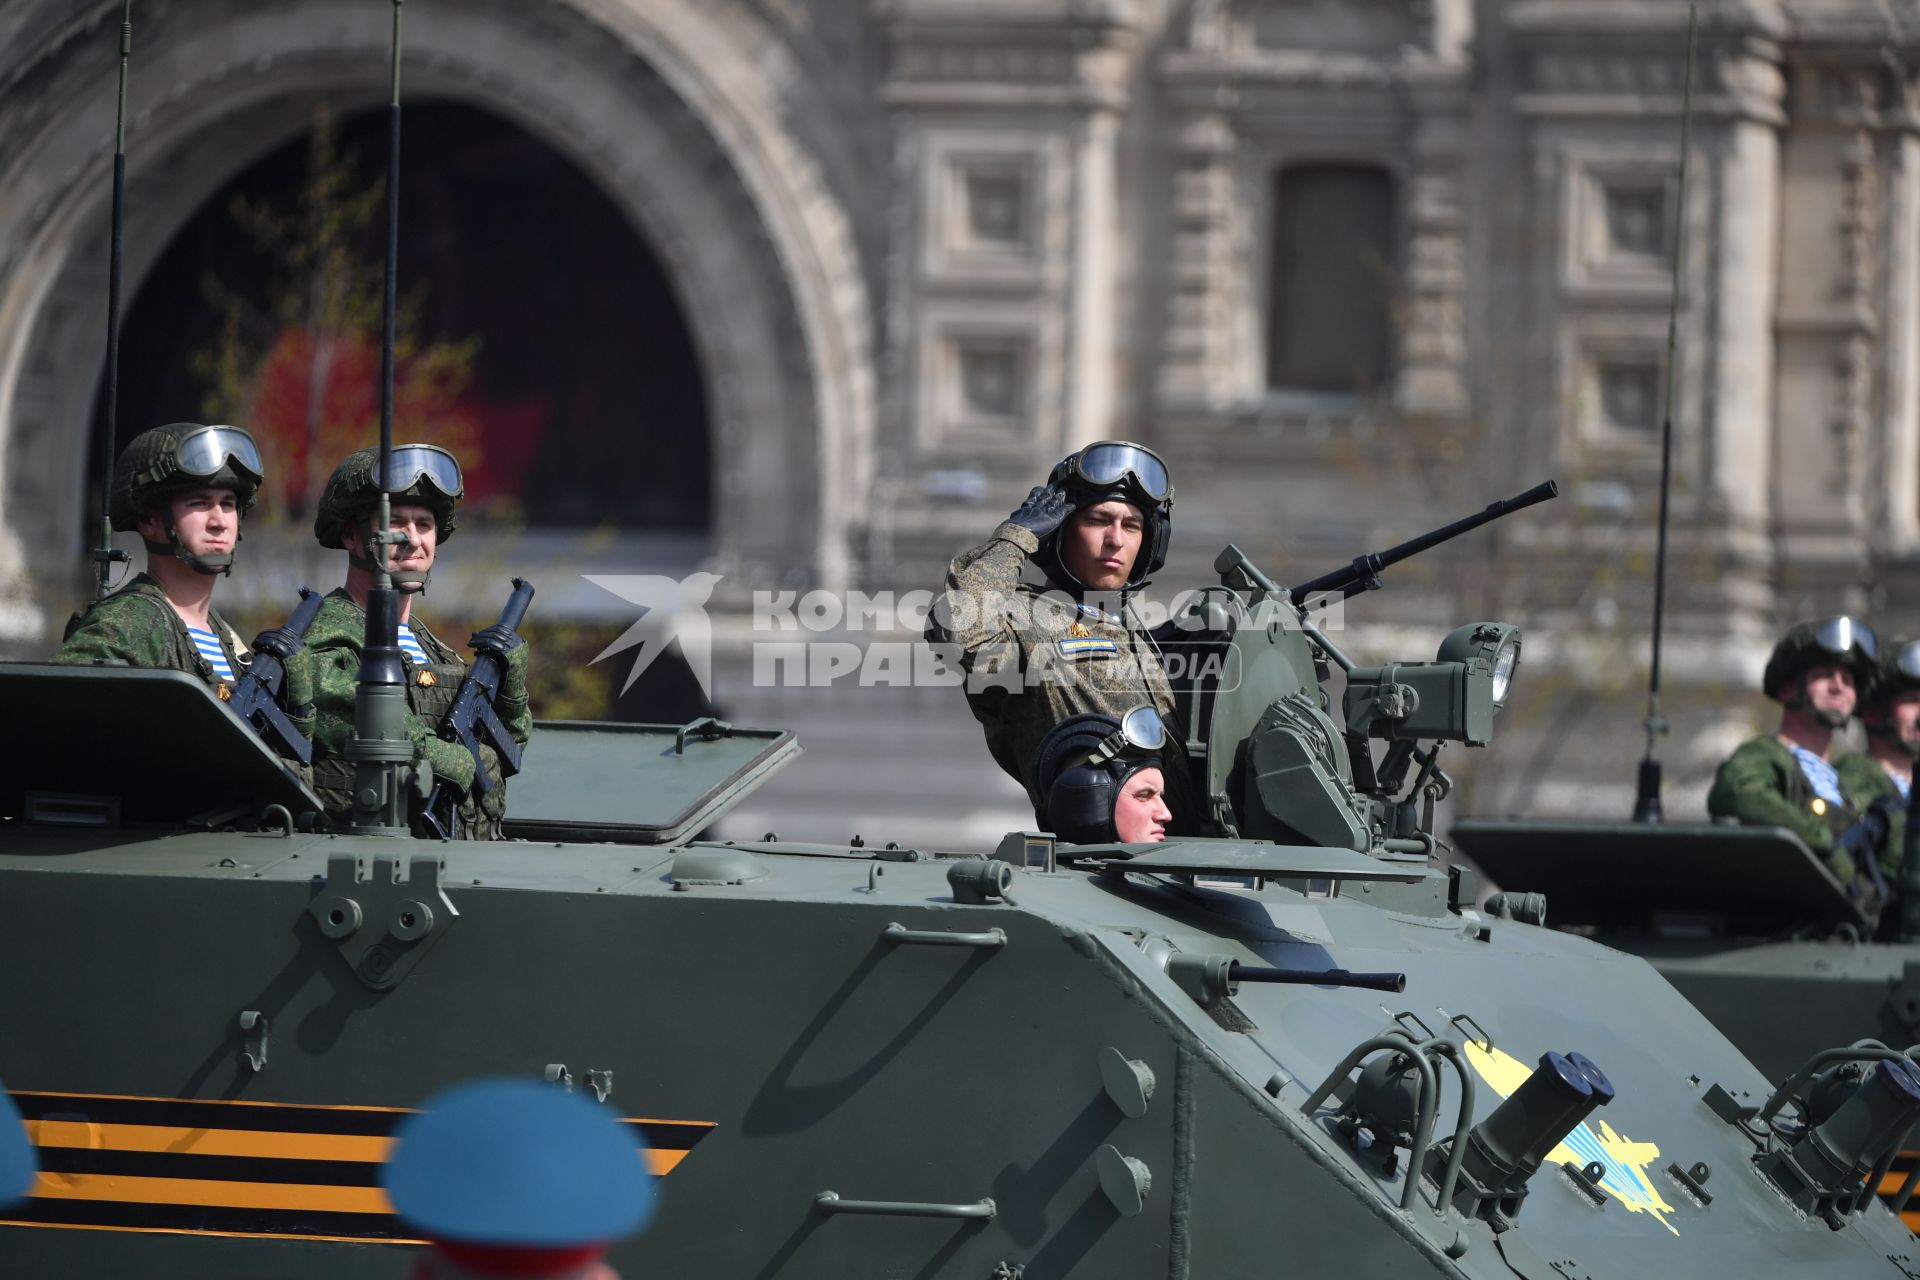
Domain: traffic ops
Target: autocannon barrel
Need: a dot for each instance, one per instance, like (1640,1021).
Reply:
(1318,977)
(1365,570)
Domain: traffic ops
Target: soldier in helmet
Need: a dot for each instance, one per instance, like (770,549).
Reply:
(184,487)
(1787,778)
(1035,655)
(424,485)
(1101,780)
(1883,777)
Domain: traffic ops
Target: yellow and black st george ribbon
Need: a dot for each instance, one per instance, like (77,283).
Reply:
(109,1162)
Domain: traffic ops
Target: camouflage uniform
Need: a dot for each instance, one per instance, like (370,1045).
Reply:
(1863,780)
(336,641)
(1034,658)
(1761,785)
(136,626)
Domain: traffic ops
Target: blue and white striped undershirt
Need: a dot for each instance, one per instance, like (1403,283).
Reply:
(1905,785)
(410,646)
(1820,775)
(209,646)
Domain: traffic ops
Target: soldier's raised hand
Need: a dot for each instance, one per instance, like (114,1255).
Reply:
(1045,510)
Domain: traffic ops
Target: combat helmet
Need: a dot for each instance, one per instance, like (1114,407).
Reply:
(1083,765)
(167,460)
(423,473)
(1806,645)
(1897,671)
(1110,469)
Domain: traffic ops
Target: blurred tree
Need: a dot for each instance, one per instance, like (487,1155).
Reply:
(297,357)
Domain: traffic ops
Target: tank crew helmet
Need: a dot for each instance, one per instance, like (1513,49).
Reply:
(518,1177)
(1896,672)
(166,461)
(1839,640)
(423,473)
(16,1154)
(1110,469)
(1083,765)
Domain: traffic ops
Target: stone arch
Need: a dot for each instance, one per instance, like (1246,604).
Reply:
(683,111)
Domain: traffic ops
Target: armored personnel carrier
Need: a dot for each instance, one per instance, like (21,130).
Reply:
(1288,1045)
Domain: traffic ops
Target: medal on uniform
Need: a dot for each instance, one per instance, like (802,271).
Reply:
(424,679)
(1819,807)
(1079,630)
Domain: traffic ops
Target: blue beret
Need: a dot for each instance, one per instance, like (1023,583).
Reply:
(16,1154)
(520,1163)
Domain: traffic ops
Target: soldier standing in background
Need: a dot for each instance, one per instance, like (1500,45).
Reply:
(1787,778)
(1036,655)
(185,488)
(425,484)
(1882,778)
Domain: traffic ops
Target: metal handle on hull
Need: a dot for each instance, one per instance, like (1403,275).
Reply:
(830,1202)
(899,933)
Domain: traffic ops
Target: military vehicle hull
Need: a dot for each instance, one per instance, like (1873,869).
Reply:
(1744,922)
(779,1039)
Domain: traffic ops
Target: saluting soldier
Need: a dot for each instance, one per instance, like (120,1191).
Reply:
(1037,654)
(185,487)
(1882,778)
(1787,778)
(424,487)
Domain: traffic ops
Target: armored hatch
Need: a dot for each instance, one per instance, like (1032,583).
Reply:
(638,783)
(102,746)
(1748,881)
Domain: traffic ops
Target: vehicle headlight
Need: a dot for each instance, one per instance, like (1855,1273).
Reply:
(1490,649)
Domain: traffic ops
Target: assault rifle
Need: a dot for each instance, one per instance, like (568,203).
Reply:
(1364,573)
(256,697)
(473,721)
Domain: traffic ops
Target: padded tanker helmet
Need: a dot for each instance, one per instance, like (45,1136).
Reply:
(1110,469)
(1083,765)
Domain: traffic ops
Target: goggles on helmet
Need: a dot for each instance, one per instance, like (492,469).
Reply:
(1112,462)
(1141,734)
(1906,660)
(1838,636)
(210,449)
(411,463)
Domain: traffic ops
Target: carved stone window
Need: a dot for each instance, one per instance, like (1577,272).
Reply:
(998,207)
(985,379)
(1329,318)
(1637,219)
(1630,395)
(1618,381)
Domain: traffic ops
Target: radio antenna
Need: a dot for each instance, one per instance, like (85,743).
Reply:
(380,749)
(104,556)
(1646,805)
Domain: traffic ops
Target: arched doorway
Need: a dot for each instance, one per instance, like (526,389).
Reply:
(567,377)
(699,126)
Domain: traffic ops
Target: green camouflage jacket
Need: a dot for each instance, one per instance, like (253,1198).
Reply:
(136,626)
(1761,785)
(1032,658)
(1864,781)
(336,641)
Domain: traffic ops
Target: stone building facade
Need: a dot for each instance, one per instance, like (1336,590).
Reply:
(1355,266)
